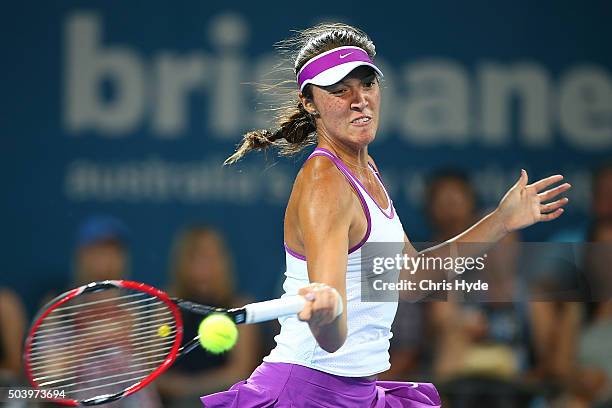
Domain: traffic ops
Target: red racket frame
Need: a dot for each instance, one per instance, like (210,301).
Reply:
(100,286)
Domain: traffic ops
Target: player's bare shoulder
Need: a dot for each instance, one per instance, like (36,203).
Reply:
(320,194)
(320,181)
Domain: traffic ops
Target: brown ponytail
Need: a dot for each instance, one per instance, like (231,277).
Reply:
(296,131)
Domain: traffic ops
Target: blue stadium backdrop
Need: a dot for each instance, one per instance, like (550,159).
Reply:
(129,108)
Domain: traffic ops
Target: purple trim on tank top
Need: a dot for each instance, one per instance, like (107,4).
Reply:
(293,253)
(319,151)
(385,191)
(364,189)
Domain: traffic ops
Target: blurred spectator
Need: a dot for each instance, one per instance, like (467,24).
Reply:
(601,205)
(451,209)
(590,380)
(450,203)
(486,336)
(102,251)
(555,329)
(558,272)
(555,324)
(480,344)
(12,332)
(201,271)
(602,192)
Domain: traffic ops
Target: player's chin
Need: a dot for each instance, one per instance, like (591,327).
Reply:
(363,137)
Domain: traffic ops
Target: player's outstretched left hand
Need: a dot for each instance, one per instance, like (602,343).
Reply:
(526,204)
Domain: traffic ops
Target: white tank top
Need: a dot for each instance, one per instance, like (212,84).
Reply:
(366,350)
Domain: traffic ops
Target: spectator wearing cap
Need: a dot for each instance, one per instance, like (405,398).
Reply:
(102,250)
(102,253)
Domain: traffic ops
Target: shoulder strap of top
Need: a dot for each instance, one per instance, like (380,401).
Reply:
(349,177)
(388,212)
(360,188)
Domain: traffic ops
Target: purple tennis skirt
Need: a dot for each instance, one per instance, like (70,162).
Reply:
(293,386)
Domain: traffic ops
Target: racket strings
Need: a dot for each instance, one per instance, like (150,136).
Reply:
(104,371)
(95,377)
(142,320)
(92,338)
(114,299)
(80,394)
(102,343)
(51,321)
(66,359)
(66,371)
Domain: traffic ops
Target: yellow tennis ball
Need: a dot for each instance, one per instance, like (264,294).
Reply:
(163,330)
(218,333)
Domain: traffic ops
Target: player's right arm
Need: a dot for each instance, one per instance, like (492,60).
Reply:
(325,210)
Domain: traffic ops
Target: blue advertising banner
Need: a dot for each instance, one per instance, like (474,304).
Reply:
(130,108)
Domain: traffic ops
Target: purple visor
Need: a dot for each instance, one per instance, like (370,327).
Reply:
(333,65)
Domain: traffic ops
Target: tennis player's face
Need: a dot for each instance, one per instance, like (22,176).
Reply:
(349,109)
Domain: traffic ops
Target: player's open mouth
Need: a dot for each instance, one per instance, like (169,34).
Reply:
(361,120)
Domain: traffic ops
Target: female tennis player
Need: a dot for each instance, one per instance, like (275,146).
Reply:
(329,355)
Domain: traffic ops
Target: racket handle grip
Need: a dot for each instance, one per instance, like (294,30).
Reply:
(273,309)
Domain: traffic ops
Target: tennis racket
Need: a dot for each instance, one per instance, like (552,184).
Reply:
(106,340)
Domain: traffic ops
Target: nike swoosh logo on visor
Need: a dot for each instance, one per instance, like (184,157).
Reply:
(345,55)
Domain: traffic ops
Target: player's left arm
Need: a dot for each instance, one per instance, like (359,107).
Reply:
(523,205)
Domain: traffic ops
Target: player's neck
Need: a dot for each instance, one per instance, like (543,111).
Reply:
(350,156)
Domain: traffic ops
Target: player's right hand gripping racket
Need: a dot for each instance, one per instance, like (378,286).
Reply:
(106,340)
